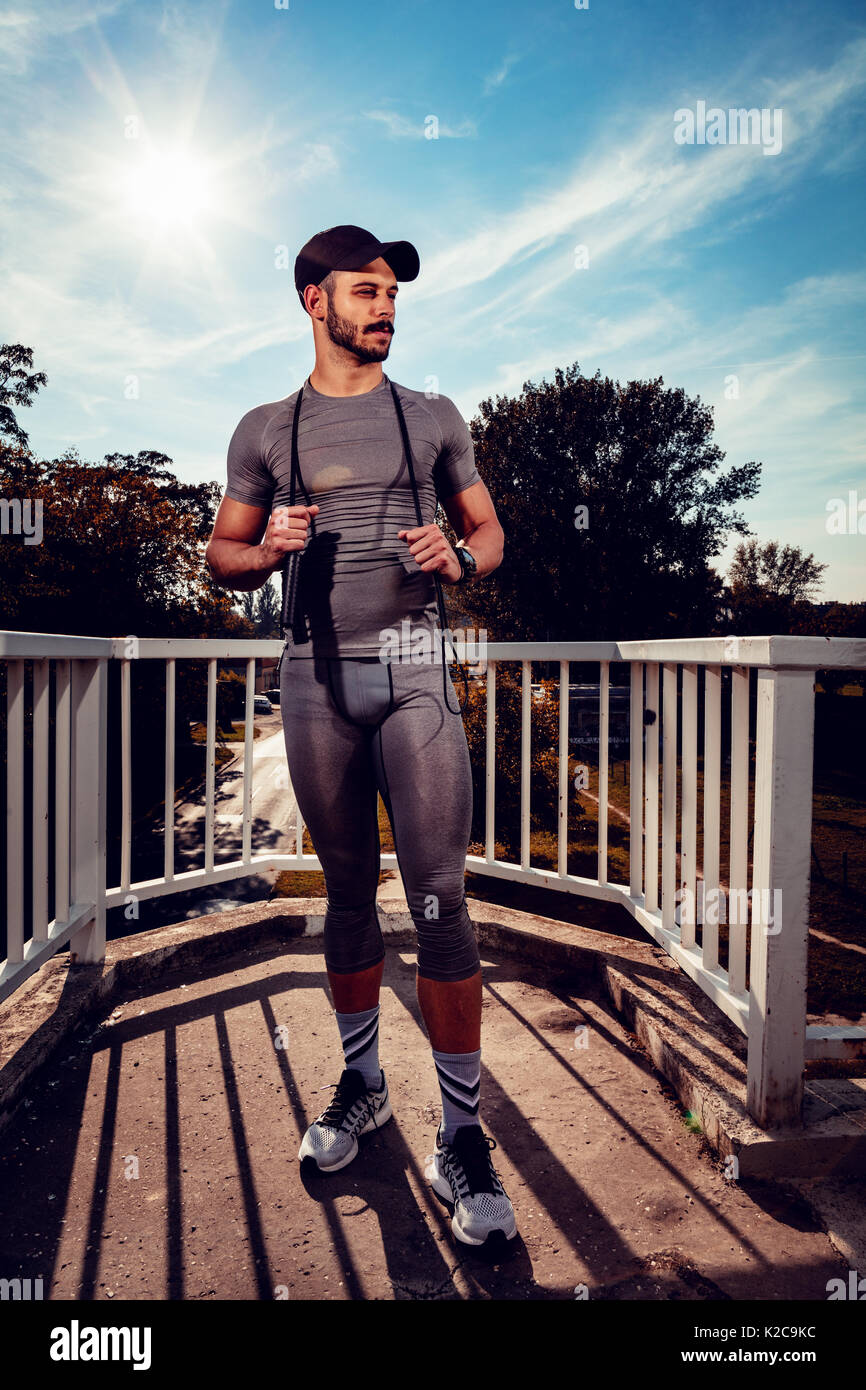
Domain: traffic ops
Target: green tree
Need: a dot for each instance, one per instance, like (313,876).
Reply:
(18,386)
(267,613)
(247,601)
(841,620)
(640,459)
(770,588)
(838,620)
(261,608)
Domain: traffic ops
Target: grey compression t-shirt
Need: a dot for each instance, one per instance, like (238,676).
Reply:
(356,577)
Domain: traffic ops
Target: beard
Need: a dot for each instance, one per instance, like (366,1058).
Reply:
(345,334)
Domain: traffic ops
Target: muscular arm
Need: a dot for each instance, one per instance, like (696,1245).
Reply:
(248,544)
(473,516)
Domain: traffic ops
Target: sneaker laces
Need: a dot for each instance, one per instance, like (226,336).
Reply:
(467,1157)
(343,1101)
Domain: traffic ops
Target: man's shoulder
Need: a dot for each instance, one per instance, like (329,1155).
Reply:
(257,419)
(442,408)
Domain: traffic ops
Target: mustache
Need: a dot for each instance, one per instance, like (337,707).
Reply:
(380,328)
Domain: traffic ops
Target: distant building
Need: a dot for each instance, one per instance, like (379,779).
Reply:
(583,716)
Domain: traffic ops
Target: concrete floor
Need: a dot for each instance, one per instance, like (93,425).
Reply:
(156,1158)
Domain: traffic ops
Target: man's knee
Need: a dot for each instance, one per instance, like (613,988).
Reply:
(447,945)
(353,938)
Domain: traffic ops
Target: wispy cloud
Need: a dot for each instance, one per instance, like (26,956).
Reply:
(207,319)
(31,29)
(318,161)
(113,337)
(648,191)
(401,127)
(495,80)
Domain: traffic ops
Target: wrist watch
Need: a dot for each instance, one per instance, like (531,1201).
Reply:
(468,563)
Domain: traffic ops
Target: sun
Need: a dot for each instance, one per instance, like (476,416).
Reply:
(169,188)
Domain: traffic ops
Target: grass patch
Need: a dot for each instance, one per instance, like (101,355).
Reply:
(310,883)
(236,734)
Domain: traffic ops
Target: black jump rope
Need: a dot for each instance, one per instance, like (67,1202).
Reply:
(290,565)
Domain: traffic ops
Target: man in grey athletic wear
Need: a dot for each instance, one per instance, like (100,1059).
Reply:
(360,716)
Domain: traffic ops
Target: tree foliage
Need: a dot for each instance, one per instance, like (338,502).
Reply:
(640,459)
(544,758)
(267,613)
(119,546)
(18,386)
(771,588)
(121,551)
(783,571)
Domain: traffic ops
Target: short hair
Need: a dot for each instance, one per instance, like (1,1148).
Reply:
(329,285)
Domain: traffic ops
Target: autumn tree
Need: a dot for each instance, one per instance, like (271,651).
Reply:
(119,546)
(118,551)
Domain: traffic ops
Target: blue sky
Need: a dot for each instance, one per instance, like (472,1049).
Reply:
(159,155)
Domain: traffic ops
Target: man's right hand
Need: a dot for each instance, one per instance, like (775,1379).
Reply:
(286,531)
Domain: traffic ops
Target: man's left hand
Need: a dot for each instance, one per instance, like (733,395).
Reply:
(429,547)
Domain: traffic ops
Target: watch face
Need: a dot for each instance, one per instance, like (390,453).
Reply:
(470,564)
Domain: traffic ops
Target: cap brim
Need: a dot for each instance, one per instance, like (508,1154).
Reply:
(400,255)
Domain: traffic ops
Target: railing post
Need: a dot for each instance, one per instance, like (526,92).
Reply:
(14,811)
(525,761)
(89,700)
(712,815)
(780,896)
(490,766)
(669,793)
(562,812)
(603,748)
(689,801)
(738,873)
(635,819)
(651,792)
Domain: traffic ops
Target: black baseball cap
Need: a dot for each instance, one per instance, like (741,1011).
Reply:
(348,248)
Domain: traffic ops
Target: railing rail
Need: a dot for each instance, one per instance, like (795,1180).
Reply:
(763,987)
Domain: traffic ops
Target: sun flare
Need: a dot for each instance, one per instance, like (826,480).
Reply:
(168,189)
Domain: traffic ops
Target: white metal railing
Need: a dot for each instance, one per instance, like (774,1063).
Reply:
(770,1009)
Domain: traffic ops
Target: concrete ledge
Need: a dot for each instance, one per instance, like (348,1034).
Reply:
(696,1048)
(690,1042)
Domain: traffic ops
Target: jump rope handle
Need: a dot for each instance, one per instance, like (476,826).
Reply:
(292,558)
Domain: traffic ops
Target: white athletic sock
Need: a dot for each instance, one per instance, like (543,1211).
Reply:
(459,1076)
(359,1034)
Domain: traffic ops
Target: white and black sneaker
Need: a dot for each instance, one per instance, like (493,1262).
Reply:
(354,1109)
(462,1172)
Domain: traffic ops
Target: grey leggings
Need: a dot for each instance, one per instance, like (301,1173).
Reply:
(355,727)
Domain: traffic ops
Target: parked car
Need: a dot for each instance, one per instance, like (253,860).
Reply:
(274,695)
(262,705)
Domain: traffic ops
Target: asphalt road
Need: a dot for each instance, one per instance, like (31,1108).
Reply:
(273,803)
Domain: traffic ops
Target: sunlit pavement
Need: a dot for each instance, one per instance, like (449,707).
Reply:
(157,1157)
